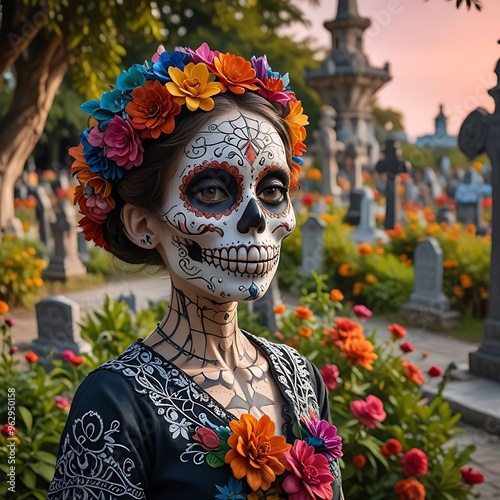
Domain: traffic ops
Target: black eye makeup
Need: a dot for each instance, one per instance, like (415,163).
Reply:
(272,190)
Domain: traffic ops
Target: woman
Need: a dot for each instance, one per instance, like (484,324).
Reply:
(188,163)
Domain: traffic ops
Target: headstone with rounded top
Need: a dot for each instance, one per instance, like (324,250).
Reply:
(312,245)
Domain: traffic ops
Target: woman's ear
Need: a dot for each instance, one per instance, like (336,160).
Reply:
(139,226)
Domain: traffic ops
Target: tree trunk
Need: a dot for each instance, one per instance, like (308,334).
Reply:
(38,76)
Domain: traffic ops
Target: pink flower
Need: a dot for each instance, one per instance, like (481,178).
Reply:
(362,311)
(203,54)
(10,322)
(369,412)
(123,144)
(434,371)
(310,476)
(98,208)
(68,355)
(62,402)
(415,462)
(330,374)
(321,429)
(14,349)
(158,53)
(207,438)
(406,347)
(96,137)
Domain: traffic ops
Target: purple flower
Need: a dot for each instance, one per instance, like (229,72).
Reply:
(362,311)
(260,66)
(203,54)
(123,144)
(331,445)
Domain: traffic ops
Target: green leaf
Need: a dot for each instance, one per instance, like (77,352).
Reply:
(29,479)
(27,418)
(46,457)
(44,470)
(213,460)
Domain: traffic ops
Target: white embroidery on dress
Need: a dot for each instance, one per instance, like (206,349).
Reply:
(92,463)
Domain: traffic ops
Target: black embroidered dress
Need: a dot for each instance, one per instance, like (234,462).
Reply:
(129,431)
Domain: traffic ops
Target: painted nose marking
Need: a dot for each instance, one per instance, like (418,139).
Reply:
(252,217)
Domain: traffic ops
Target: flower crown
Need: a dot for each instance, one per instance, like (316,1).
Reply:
(143,105)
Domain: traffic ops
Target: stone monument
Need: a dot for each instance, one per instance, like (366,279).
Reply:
(480,133)
(312,246)
(366,230)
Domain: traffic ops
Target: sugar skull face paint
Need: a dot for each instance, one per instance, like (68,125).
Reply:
(227,209)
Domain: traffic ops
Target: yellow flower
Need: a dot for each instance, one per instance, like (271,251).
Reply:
(314,174)
(194,86)
(365,249)
(328,218)
(26,225)
(28,282)
(371,279)
(9,262)
(477,166)
(38,282)
(39,263)
(13,276)
(32,250)
(297,121)
(25,255)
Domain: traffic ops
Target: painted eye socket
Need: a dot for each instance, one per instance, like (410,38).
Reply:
(210,191)
(273,188)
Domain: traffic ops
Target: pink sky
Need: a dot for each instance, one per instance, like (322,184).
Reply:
(438,54)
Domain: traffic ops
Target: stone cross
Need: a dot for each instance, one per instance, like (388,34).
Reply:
(480,133)
(65,262)
(45,216)
(327,149)
(391,165)
(366,230)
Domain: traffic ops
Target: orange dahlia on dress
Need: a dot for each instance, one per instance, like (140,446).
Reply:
(256,453)
(235,72)
(152,110)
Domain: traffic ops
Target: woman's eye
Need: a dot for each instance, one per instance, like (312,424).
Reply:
(210,193)
(273,194)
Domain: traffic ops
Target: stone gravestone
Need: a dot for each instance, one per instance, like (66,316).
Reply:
(130,300)
(58,320)
(353,214)
(327,149)
(479,133)
(392,165)
(83,246)
(264,306)
(468,197)
(312,246)
(65,261)
(366,230)
(45,216)
(427,300)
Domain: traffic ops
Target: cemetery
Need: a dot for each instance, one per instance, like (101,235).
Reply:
(390,283)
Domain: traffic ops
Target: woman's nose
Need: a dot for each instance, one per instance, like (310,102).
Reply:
(252,217)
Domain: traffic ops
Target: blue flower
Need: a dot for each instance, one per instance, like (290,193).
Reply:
(134,77)
(298,160)
(167,59)
(233,490)
(97,161)
(114,101)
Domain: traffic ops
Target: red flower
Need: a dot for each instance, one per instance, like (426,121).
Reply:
(10,322)
(358,461)
(31,357)
(152,110)
(369,412)
(311,476)
(392,447)
(406,347)
(207,438)
(8,430)
(409,489)
(68,355)
(307,199)
(62,402)
(397,330)
(415,463)
(470,476)
(330,374)
(77,360)
(434,371)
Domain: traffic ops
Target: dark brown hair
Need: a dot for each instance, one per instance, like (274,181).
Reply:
(144,186)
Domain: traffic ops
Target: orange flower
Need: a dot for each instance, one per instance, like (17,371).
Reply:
(305,332)
(31,357)
(465,280)
(397,331)
(85,175)
(412,372)
(357,288)
(458,291)
(371,279)
(235,73)
(314,174)
(450,263)
(365,249)
(279,309)
(303,312)
(471,229)
(152,110)
(344,329)
(336,295)
(361,351)
(297,121)
(4,308)
(346,270)
(409,489)
(256,453)
(380,251)
(93,232)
